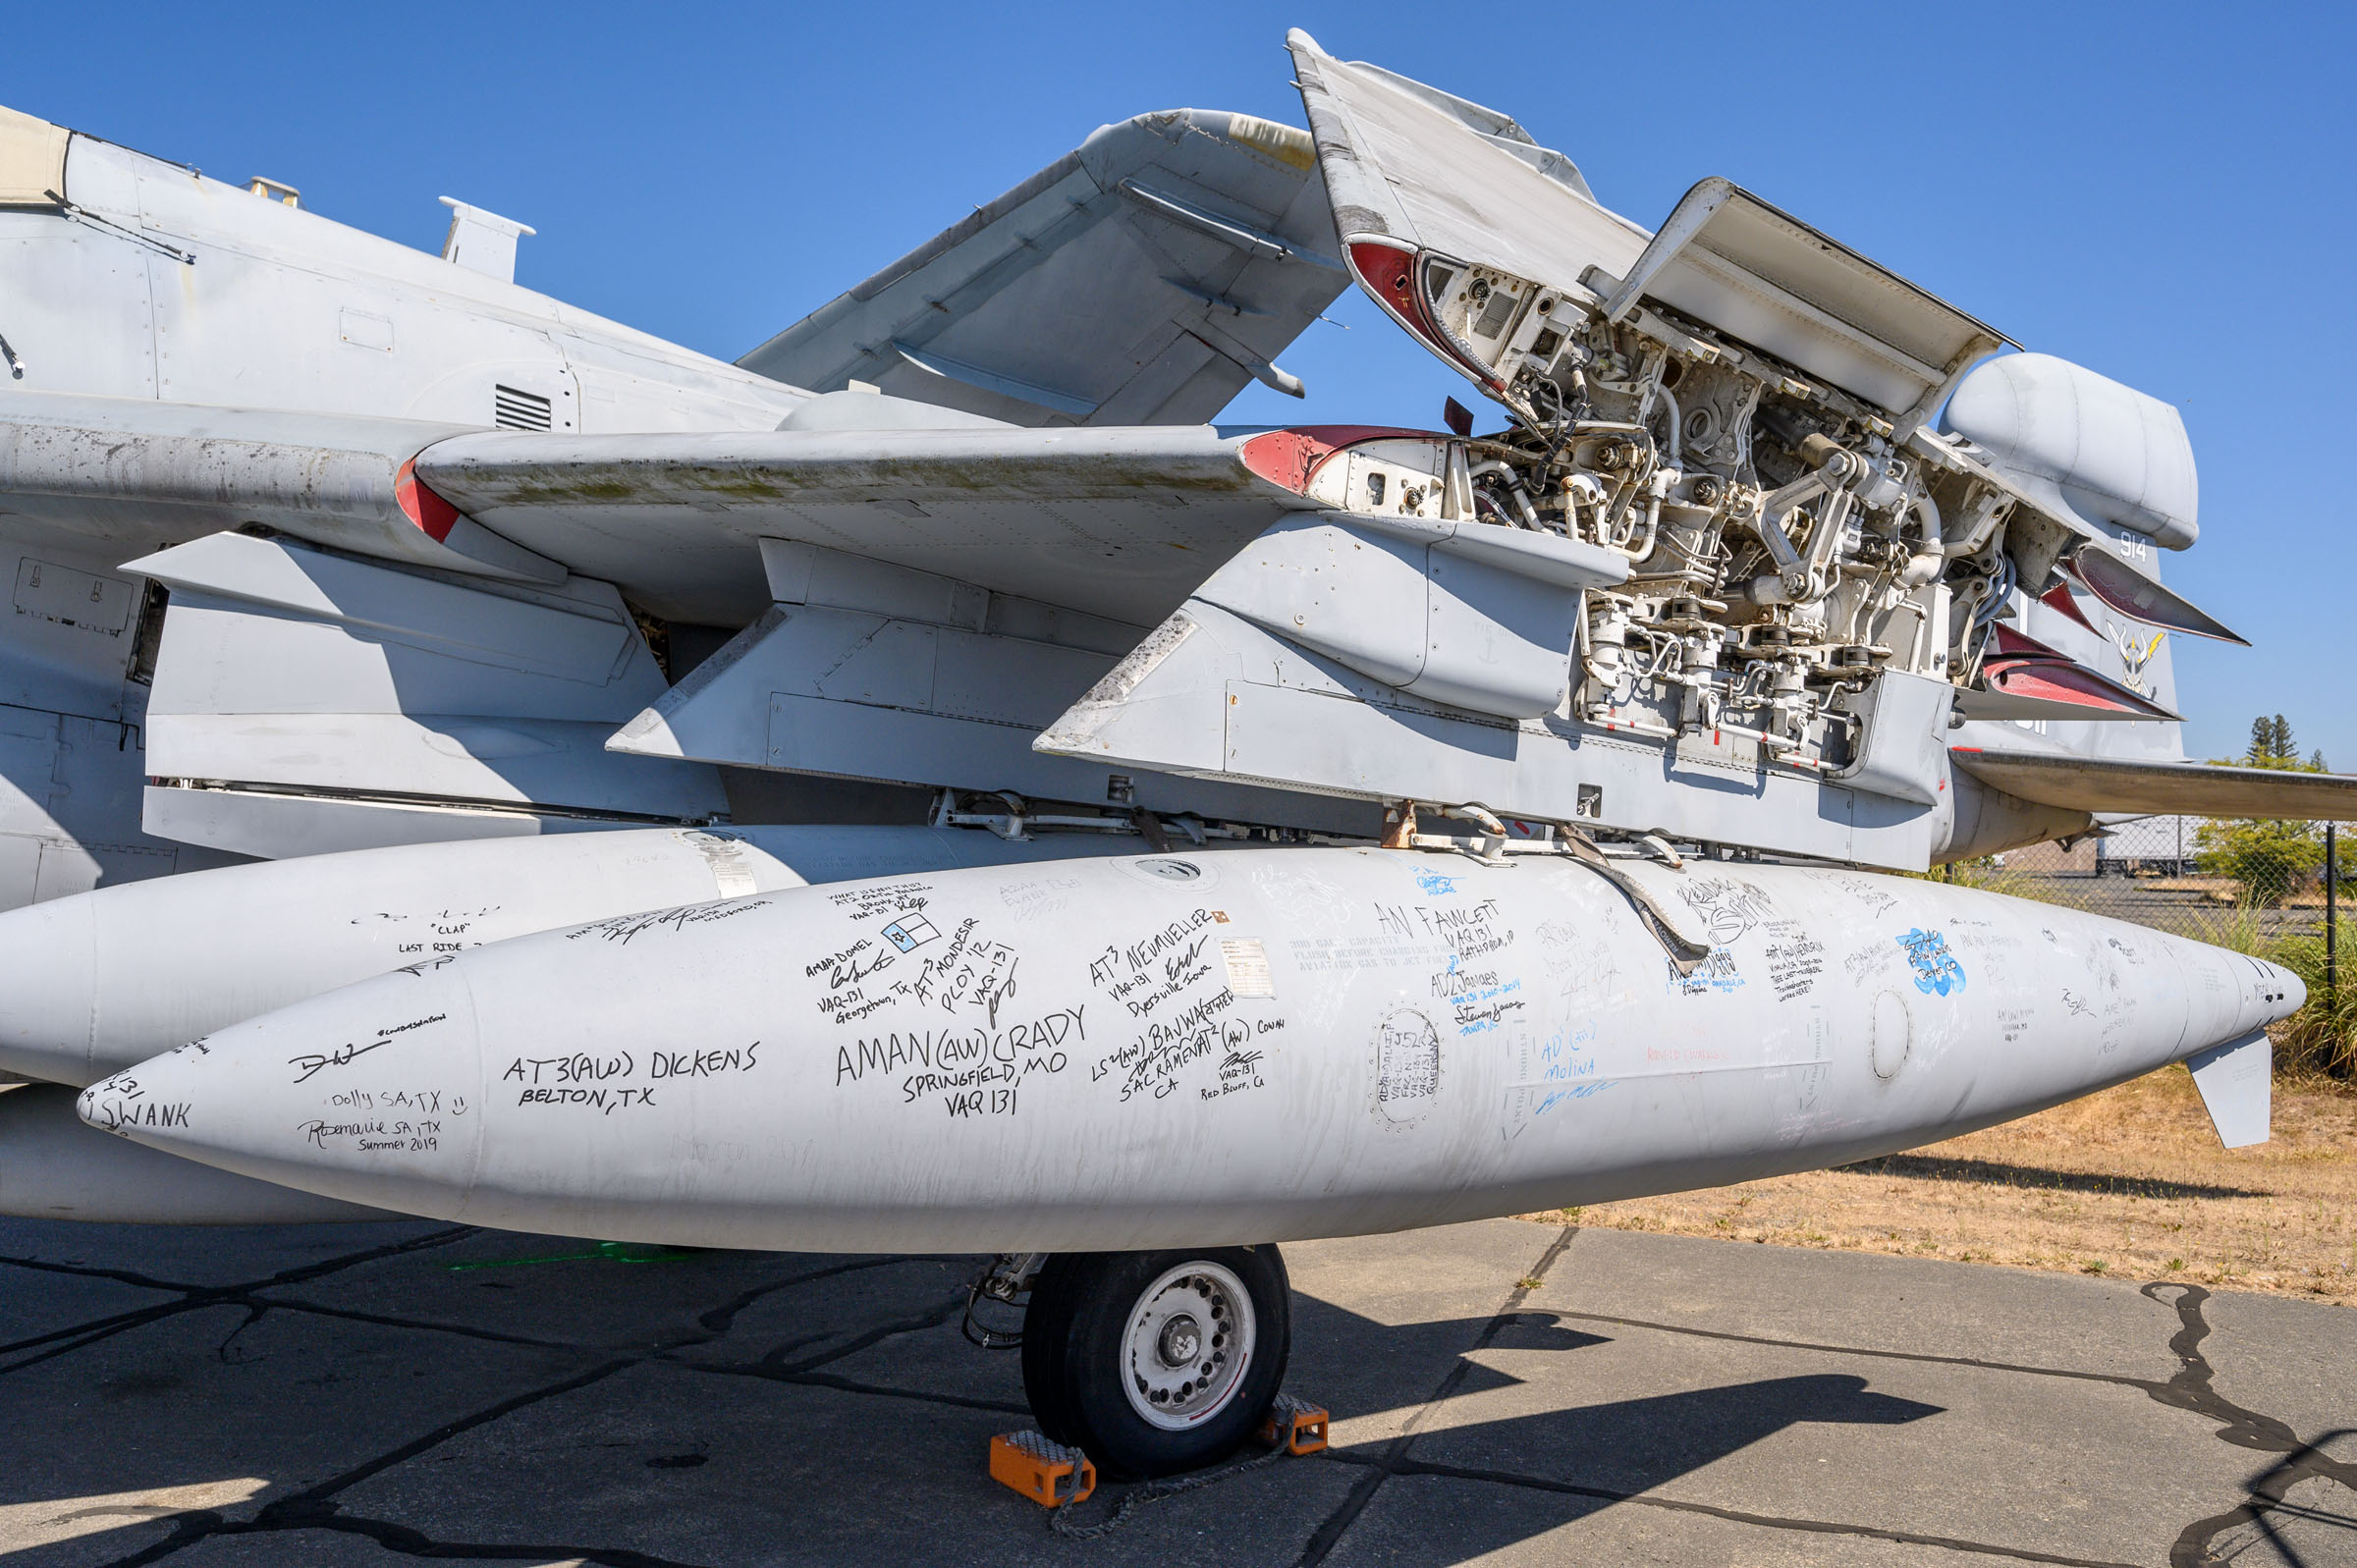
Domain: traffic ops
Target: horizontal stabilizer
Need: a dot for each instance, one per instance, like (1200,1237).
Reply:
(2196,788)
(1141,279)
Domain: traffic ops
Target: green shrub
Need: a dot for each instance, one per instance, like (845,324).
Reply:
(2272,860)
(2321,1038)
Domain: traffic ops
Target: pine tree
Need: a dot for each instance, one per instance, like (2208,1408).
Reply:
(2271,859)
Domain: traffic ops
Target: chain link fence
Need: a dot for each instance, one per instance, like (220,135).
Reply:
(2278,890)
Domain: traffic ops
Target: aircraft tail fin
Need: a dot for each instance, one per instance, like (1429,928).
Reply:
(2237,1085)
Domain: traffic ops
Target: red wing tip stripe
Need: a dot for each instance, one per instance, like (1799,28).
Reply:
(1290,456)
(1389,270)
(433,515)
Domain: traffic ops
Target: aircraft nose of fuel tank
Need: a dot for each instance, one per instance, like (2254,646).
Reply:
(48,994)
(379,1079)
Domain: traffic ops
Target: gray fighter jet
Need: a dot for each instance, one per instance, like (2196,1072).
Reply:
(1331,829)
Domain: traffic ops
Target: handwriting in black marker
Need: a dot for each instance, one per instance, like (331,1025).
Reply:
(341,1057)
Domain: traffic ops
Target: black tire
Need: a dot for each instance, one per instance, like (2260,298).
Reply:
(1076,1365)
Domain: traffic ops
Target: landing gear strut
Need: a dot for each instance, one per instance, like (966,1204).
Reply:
(1156,1362)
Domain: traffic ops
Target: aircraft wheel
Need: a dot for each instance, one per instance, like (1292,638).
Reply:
(1156,1362)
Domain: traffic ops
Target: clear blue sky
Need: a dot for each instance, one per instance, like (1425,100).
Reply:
(2157,191)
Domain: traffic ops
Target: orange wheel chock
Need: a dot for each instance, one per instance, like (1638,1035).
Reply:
(1047,1473)
(1294,1426)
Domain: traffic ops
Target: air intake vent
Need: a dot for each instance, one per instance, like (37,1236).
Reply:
(520,411)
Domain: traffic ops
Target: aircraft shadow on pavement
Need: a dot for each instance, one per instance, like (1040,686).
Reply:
(1997,1174)
(1561,1464)
(1567,1462)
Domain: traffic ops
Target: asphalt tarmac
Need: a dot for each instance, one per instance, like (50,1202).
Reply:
(1502,1393)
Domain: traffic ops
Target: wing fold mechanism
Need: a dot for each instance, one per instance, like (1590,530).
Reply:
(1359,656)
(1426,187)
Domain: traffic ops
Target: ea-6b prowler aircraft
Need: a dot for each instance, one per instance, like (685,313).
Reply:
(1332,828)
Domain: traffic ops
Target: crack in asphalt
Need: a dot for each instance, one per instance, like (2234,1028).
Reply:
(318,1309)
(192,1298)
(721,1319)
(201,1525)
(316,1508)
(2194,1388)
(1396,1458)
(2191,1389)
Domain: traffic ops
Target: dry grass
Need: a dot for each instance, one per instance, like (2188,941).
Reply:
(2128,1183)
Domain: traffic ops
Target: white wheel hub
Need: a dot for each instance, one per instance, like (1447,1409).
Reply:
(1190,1339)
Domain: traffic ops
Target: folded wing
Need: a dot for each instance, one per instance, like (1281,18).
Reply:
(1142,278)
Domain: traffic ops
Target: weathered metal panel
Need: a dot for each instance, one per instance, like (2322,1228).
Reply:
(1400,164)
(177,470)
(1901,750)
(1474,615)
(1728,259)
(288,669)
(851,692)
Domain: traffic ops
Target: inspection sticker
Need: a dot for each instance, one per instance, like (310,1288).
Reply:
(1247,967)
